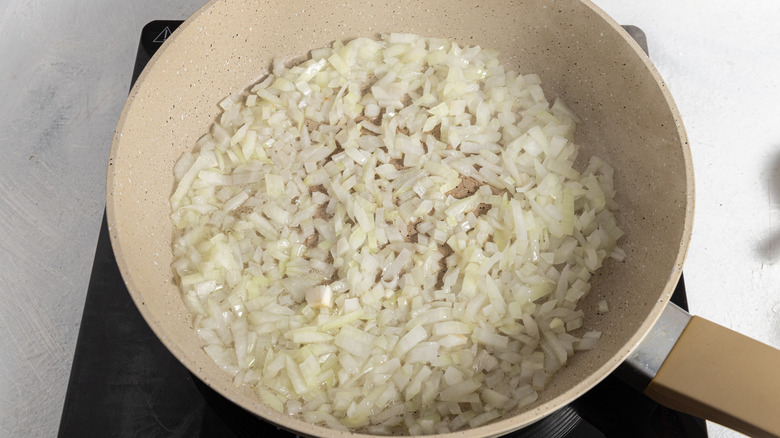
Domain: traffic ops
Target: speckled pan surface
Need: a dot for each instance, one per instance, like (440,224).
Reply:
(582,56)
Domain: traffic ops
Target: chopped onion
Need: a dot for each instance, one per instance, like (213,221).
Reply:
(392,237)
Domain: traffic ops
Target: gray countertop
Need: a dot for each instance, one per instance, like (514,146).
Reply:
(64,76)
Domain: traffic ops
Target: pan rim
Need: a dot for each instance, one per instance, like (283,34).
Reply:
(492,429)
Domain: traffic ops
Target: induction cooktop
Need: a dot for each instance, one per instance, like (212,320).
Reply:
(125,383)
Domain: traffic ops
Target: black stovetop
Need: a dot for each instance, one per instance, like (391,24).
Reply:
(125,383)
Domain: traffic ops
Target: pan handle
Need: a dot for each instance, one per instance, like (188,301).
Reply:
(717,374)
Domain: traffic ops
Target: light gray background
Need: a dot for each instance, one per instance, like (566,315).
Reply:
(65,67)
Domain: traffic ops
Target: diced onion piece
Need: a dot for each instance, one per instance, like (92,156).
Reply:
(320,296)
(274,185)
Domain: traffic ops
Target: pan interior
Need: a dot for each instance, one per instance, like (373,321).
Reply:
(581,55)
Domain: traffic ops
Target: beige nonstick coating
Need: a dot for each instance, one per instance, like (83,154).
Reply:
(582,55)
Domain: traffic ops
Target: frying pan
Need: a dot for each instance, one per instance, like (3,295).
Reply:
(582,56)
